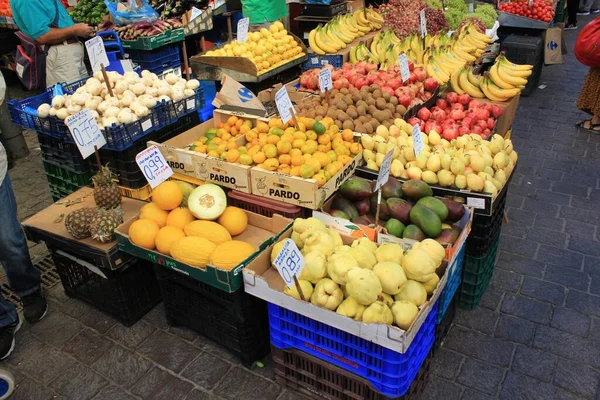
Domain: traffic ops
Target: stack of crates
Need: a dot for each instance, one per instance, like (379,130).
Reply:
(521,49)
(160,61)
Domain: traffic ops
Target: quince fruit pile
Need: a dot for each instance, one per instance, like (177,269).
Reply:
(267,48)
(364,281)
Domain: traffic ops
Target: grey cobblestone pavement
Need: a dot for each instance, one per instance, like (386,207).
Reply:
(535,335)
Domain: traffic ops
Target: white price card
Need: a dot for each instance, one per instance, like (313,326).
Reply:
(404,70)
(242,30)
(423,26)
(96,53)
(85,132)
(195,13)
(289,262)
(284,105)
(325,81)
(417,139)
(384,170)
(154,166)
(476,203)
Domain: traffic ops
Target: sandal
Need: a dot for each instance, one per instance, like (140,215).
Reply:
(591,127)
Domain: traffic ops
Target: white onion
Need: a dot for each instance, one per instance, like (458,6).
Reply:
(103,106)
(192,84)
(73,109)
(43,110)
(52,111)
(125,116)
(152,91)
(98,75)
(171,78)
(58,102)
(62,113)
(148,101)
(139,88)
(146,73)
(121,86)
(142,111)
(80,98)
(92,81)
(147,81)
(112,111)
(164,90)
(109,121)
(92,103)
(188,92)
(94,88)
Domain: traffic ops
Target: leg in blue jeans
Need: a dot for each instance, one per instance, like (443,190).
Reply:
(23,277)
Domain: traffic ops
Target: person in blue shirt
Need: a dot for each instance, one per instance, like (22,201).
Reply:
(49,24)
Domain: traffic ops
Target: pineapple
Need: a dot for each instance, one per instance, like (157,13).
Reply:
(102,227)
(106,192)
(78,222)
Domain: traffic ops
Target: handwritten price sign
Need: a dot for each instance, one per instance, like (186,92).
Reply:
(284,104)
(289,262)
(154,166)
(404,69)
(423,25)
(97,53)
(325,81)
(417,139)
(85,132)
(242,30)
(384,170)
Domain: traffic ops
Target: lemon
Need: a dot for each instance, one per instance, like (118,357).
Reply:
(265,33)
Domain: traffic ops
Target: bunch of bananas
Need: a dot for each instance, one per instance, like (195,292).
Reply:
(360,52)
(342,30)
(505,79)
(385,49)
(464,81)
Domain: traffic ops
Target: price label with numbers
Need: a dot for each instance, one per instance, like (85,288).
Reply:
(384,170)
(242,30)
(404,70)
(325,82)
(289,262)
(423,26)
(85,132)
(97,53)
(417,139)
(154,166)
(284,105)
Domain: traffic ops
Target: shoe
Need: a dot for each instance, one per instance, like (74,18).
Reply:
(34,307)
(583,13)
(570,27)
(7,338)
(595,11)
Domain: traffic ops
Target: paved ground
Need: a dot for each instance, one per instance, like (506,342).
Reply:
(536,334)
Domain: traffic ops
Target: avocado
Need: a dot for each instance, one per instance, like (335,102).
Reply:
(413,232)
(355,189)
(414,189)
(392,188)
(342,204)
(455,209)
(394,227)
(427,220)
(435,205)
(399,209)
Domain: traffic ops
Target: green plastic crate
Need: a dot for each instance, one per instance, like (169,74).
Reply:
(477,274)
(78,179)
(156,41)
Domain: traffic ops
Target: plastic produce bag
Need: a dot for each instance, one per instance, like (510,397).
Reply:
(131,11)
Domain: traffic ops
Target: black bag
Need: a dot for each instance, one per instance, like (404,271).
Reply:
(31,59)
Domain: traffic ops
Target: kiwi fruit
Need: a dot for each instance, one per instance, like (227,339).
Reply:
(401,109)
(356,98)
(342,116)
(351,111)
(311,114)
(386,96)
(363,119)
(380,103)
(338,123)
(394,100)
(348,124)
(361,109)
(332,113)
(321,112)
(372,110)
(368,127)
(390,107)
(374,87)
(379,116)
(397,115)
(358,126)
(386,123)
(377,93)
(333,92)
(370,101)
(344,91)
(387,113)
(348,99)
(362,104)
(341,105)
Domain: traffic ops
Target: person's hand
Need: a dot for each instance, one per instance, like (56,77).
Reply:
(83,30)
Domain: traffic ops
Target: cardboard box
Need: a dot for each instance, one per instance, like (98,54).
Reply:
(509,111)
(299,191)
(263,281)
(296,95)
(261,232)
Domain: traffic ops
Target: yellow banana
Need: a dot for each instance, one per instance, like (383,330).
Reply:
(454,82)
(323,42)
(334,40)
(502,93)
(467,86)
(359,16)
(348,27)
(478,35)
(314,47)
(513,80)
(439,71)
(513,72)
(475,80)
(511,65)
(474,42)
(345,36)
(375,16)
(484,88)
(462,55)
(498,80)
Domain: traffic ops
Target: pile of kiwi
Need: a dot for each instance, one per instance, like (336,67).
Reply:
(358,110)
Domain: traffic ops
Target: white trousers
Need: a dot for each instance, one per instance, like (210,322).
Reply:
(64,63)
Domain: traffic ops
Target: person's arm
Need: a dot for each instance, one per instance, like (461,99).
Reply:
(58,35)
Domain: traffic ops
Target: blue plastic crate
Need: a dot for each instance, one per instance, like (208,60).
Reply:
(452,284)
(118,137)
(390,372)
(319,61)
(157,61)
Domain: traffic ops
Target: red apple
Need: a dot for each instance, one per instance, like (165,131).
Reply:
(452,97)
(431,84)
(441,103)
(420,73)
(424,113)
(464,99)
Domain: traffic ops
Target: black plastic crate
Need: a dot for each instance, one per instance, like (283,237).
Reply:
(63,154)
(534,79)
(485,229)
(521,49)
(123,164)
(319,379)
(442,329)
(127,293)
(236,321)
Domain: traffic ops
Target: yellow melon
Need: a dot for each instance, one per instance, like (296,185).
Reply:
(193,250)
(180,217)
(229,254)
(234,220)
(209,230)
(143,233)
(166,237)
(152,212)
(167,196)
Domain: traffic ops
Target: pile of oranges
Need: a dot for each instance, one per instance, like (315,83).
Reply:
(313,149)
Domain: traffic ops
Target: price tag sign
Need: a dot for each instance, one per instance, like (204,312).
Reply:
(154,166)
(476,203)
(289,262)
(423,27)
(417,139)
(96,53)
(404,70)
(242,30)
(284,105)
(325,81)
(195,13)
(85,132)
(384,170)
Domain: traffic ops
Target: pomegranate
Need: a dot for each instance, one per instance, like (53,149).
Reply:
(496,111)
(347,66)
(404,99)
(467,122)
(387,89)
(463,130)
(371,67)
(482,113)
(420,73)
(482,124)
(394,83)
(313,83)
(413,121)
(428,126)
(452,97)
(441,103)
(474,104)
(450,133)
(411,66)
(412,78)
(339,84)
(438,115)
(491,123)
(457,115)
(424,113)
(336,74)
(486,133)
(360,82)
(372,76)
(457,106)
(464,99)
(431,84)
(476,129)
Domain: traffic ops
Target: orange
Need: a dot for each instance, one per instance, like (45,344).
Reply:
(284,147)
(271,164)
(251,136)
(244,129)
(297,160)
(322,158)
(313,162)
(262,127)
(231,121)
(272,139)
(285,159)
(231,145)
(239,123)
(143,233)
(300,135)
(232,156)
(295,152)
(320,178)
(324,139)
(295,171)
(355,148)
(284,169)
(234,131)
(348,135)
(298,143)
(259,157)
(344,159)
(234,220)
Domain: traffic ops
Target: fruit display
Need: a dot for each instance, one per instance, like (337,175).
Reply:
(5,10)
(484,15)
(457,115)
(402,16)
(467,162)
(231,129)
(313,150)
(106,192)
(342,30)
(141,29)
(407,210)
(267,48)
(364,281)
(134,97)
(176,8)
(541,10)
(202,233)
(379,102)
(89,12)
